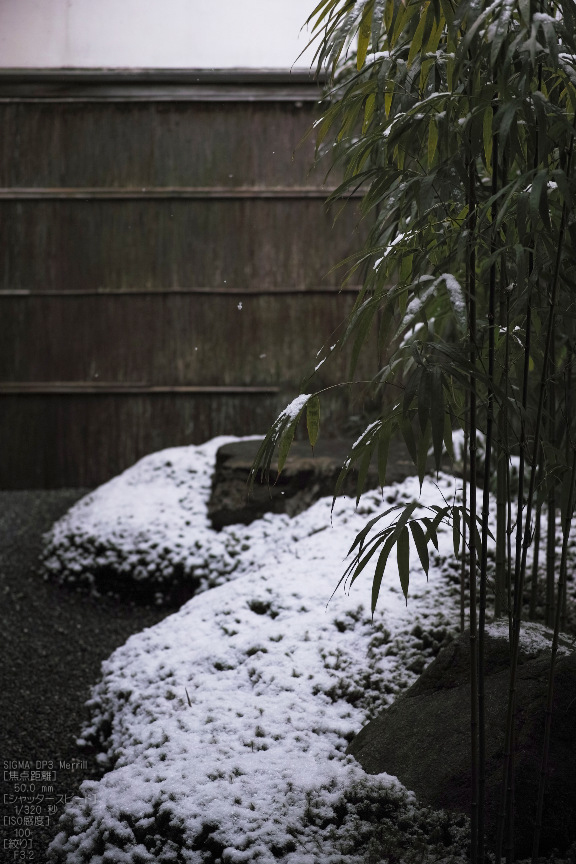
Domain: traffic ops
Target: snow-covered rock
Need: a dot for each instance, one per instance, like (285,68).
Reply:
(145,535)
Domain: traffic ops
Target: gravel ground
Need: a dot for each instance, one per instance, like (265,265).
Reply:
(53,642)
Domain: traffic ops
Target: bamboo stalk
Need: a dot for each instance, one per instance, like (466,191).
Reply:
(486,516)
(471,280)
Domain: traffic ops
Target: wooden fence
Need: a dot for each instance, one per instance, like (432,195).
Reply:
(165,264)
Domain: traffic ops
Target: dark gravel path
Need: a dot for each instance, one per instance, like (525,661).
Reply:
(53,642)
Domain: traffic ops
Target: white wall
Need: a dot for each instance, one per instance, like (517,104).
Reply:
(154,33)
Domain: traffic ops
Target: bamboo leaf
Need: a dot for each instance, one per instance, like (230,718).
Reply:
(456,530)
(365,320)
(313,419)
(421,545)
(364,34)
(448,435)
(437,415)
(525,13)
(388,96)
(432,140)
(423,447)
(539,198)
(380,567)
(286,443)
(487,135)
(424,399)
(377,17)
(383,447)
(327,5)
(403,519)
(409,440)
(363,473)
(368,111)
(361,536)
(418,38)
(403,557)
(431,533)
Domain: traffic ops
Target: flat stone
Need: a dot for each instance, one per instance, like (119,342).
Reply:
(307,476)
(424,737)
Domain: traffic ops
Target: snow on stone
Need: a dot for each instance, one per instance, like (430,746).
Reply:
(145,526)
(223,729)
(535,638)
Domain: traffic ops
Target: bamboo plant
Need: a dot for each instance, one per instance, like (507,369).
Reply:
(456,118)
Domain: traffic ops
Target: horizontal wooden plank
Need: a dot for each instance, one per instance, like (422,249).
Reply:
(50,442)
(85,245)
(290,290)
(59,388)
(158,94)
(175,340)
(157,84)
(155,146)
(169,192)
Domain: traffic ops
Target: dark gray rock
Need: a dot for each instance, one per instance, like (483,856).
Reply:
(424,737)
(307,476)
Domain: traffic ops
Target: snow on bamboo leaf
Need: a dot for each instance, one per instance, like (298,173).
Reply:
(281,433)
(288,421)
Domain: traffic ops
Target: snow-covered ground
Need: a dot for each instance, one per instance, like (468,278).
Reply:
(223,729)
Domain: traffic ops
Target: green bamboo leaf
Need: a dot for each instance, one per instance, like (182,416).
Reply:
(432,140)
(448,435)
(377,18)
(388,96)
(286,442)
(364,34)
(421,545)
(525,14)
(365,320)
(539,198)
(424,399)
(362,562)
(410,390)
(418,38)
(437,415)
(361,536)
(389,14)
(380,567)
(405,516)
(431,533)
(423,447)
(383,447)
(403,557)
(313,419)
(368,111)
(505,117)
(409,440)
(456,530)
(327,5)
(406,267)
(487,135)
(363,472)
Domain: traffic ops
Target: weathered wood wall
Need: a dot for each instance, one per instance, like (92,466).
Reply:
(164,264)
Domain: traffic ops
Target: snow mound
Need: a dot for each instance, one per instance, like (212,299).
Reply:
(224,728)
(145,534)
